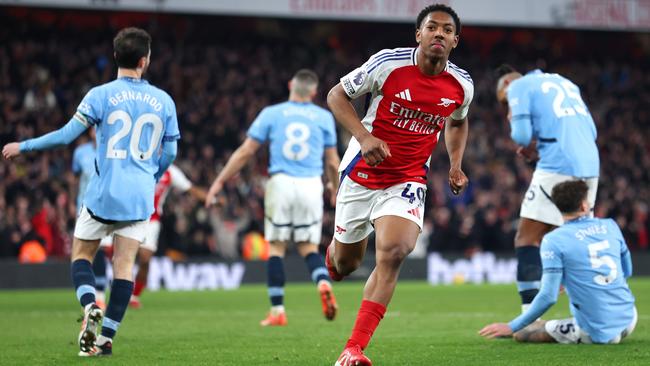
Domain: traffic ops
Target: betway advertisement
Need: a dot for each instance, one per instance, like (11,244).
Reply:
(215,274)
(480,268)
(163,273)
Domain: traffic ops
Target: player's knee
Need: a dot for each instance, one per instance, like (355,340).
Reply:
(526,239)
(122,269)
(394,256)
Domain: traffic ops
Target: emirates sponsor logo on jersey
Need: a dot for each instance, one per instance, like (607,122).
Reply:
(340,230)
(416,120)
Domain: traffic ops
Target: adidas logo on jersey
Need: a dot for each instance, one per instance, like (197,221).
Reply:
(446,102)
(404,94)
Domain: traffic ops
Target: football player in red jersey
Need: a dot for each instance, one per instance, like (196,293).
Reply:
(172,178)
(415,94)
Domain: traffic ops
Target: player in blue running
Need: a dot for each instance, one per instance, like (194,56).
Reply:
(300,134)
(137,130)
(590,258)
(553,126)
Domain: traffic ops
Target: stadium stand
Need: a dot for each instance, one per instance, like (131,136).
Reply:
(222,71)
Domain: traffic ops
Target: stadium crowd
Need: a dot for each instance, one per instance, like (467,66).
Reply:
(222,71)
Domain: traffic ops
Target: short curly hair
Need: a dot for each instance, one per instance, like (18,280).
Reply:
(438,7)
(130,45)
(568,196)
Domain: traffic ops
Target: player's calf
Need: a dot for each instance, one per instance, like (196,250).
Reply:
(529,273)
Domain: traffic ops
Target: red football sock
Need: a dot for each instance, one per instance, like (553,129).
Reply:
(138,288)
(368,318)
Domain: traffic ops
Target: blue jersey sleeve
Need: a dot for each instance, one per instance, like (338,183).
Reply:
(60,137)
(551,255)
(626,258)
(169,151)
(546,297)
(89,112)
(261,127)
(330,131)
(519,103)
(172,133)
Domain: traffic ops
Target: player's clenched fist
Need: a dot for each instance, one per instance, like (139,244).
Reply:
(11,150)
(374,150)
(457,180)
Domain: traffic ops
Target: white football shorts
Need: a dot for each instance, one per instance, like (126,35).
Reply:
(153,233)
(537,204)
(293,205)
(87,228)
(567,331)
(357,207)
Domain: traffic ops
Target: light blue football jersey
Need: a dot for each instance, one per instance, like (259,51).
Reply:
(589,252)
(83,164)
(298,134)
(561,123)
(132,118)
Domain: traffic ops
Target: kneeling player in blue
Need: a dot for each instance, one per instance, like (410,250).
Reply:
(590,258)
(137,130)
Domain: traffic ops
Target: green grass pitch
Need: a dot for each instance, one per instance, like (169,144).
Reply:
(425,325)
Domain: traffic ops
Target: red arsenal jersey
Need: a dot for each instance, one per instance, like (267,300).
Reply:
(407,110)
(173,177)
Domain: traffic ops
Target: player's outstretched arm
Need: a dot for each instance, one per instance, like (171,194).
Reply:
(198,192)
(546,297)
(373,150)
(63,136)
(456,132)
(237,160)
